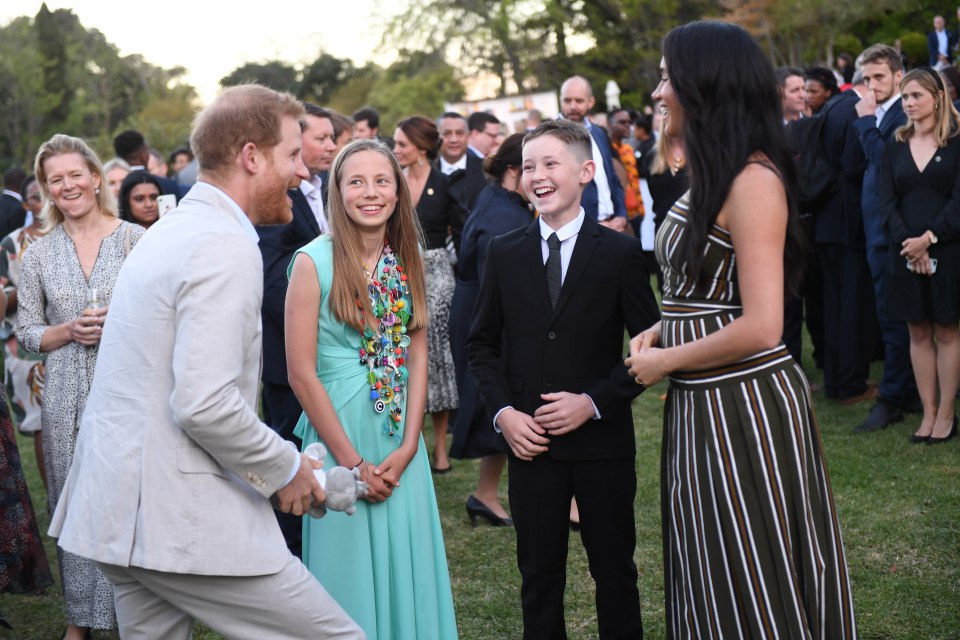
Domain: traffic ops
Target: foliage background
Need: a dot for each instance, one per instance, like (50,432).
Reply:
(57,75)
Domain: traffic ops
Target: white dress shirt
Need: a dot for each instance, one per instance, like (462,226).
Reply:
(604,197)
(567,234)
(883,108)
(446,168)
(13,194)
(311,189)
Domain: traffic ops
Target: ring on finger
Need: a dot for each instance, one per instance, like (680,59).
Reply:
(639,380)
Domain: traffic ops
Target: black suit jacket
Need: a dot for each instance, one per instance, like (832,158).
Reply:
(839,220)
(12,214)
(278,243)
(519,347)
(466,184)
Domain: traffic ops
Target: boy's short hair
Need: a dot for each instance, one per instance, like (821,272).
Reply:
(572,134)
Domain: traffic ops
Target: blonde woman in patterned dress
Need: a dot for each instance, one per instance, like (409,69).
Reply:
(752,545)
(83,250)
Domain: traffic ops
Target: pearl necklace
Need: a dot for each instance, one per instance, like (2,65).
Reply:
(384,350)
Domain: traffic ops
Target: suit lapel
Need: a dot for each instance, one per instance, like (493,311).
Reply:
(302,210)
(534,257)
(586,242)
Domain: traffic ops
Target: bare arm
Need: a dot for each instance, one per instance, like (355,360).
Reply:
(755,213)
(301,314)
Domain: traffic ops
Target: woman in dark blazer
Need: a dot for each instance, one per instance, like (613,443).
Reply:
(501,207)
(417,142)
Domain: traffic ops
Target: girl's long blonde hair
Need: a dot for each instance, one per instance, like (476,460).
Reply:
(946,115)
(403,233)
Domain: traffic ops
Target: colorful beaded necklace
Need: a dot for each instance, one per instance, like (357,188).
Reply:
(384,351)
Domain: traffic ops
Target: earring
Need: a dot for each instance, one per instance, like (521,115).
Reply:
(420,161)
(97,191)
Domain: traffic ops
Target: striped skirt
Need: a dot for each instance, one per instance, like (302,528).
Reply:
(752,546)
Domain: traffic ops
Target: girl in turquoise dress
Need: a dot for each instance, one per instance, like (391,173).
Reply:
(356,352)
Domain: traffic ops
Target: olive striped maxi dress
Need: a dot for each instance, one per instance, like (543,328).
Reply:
(751,542)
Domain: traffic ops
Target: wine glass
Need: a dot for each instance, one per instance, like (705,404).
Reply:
(93,299)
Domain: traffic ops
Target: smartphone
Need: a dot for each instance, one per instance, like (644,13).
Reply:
(933,266)
(166,203)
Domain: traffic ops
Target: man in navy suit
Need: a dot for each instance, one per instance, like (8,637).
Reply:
(880,113)
(603,199)
(132,147)
(277,245)
(941,43)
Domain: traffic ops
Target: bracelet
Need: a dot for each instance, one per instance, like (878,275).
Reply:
(360,465)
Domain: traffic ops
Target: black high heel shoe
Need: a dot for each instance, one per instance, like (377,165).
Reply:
(949,436)
(476,509)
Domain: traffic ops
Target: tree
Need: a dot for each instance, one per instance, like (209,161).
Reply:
(275,74)
(417,84)
(57,76)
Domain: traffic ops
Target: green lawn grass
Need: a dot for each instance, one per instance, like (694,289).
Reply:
(899,506)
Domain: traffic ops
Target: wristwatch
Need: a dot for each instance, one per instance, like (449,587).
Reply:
(932,237)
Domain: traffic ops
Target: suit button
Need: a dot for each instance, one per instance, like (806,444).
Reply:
(552,335)
(547,383)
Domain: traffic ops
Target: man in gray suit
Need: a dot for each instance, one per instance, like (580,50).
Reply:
(173,470)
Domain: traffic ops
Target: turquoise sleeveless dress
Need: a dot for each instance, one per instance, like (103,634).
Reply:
(386,564)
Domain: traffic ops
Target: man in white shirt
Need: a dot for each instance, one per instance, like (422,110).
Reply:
(484,134)
(880,114)
(940,44)
(464,170)
(603,198)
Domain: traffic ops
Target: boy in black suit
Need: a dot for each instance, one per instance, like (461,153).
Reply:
(546,348)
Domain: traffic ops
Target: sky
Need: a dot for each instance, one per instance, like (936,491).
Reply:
(210,39)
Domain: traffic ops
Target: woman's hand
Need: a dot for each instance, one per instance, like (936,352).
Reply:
(88,328)
(392,467)
(915,248)
(922,265)
(647,366)
(645,340)
(377,489)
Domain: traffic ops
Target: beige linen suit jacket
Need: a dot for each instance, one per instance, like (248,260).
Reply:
(173,469)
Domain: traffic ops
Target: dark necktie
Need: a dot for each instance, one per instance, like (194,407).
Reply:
(553,268)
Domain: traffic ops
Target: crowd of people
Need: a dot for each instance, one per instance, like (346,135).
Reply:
(881,278)
(351,285)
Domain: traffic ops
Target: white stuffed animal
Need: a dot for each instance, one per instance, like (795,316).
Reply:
(343,486)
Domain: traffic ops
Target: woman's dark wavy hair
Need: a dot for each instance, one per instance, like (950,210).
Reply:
(133,179)
(731,110)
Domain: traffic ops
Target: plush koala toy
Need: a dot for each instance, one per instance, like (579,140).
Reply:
(343,486)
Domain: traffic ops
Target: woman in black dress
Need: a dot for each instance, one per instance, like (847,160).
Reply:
(501,207)
(920,196)
(417,143)
(667,179)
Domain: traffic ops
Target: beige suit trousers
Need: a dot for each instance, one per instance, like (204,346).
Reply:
(290,605)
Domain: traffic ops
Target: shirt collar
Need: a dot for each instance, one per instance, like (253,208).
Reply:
(450,167)
(16,195)
(237,211)
(307,187)
(889,103)
(565,232)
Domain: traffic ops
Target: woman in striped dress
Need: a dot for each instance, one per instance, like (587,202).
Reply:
(752,545)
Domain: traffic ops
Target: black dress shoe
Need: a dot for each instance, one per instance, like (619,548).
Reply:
(476,509)
(949,436)
(915,439)
(881,416)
